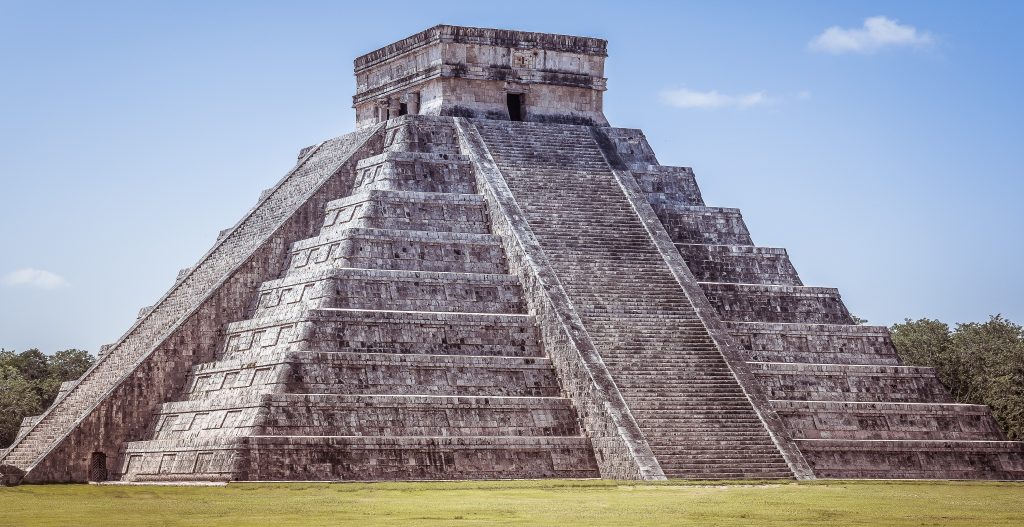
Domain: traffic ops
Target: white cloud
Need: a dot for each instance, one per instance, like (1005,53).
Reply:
(38,278)
(876,33)
(685,98)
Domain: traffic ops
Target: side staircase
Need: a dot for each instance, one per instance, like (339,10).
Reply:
(395,346)
(853,409)
(679,387)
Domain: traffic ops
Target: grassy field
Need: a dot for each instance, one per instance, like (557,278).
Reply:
(561,503)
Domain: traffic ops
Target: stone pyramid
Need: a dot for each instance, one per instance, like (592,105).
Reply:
(487,281)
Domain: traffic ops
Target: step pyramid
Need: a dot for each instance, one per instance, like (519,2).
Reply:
(395,346)
(487,281)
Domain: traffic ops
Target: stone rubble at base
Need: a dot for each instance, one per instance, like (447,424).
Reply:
(448,293)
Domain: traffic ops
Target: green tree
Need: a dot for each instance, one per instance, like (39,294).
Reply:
(990,357)
(981,363)
(62,366)
(18,398)
(30,382)
(33,364)
(926,342)
(69,364)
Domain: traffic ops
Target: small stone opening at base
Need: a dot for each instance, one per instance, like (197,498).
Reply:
(98,467)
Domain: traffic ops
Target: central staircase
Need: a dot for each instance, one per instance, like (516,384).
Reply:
(679,387)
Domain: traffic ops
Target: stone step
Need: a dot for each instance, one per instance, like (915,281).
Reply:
(704,225)
(726,462)
(416,171)
(842,382)
(628,361)
(399,249)
(366,415)
(746,445)
(638,392)
(876,420)
(397,290)
(386,332)
(777,303)
(393,374)
(739,264)
(687,403)
(682,370)
(732,415)
(678,375)
(914,459)
(668,185)
(814,343)
(683,424)
(335,458)
(422,133)
(412,211)
(715,475)
(347,373)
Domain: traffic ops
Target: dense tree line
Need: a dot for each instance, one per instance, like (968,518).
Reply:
(981,363)
(29,382)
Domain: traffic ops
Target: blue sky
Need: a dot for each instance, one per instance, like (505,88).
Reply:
(885,155)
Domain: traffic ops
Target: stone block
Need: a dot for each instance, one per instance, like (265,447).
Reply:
(885,420)
(413,211)
(814,343)
(889,459)
(667,186)
(704,225)
(771,303)
(739,264)
(409,250)
(392,290)
(841,382)
(416,171)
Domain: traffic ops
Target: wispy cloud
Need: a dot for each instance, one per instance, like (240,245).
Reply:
(686,98)
(877,32)
(37,278)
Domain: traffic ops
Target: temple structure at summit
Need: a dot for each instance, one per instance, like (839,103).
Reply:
(485,281)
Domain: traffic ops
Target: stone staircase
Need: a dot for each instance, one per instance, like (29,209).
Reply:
(395,346)
(679,387)
(853,409)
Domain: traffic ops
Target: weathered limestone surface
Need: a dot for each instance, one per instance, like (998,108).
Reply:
(620,446)
(450,294)
(852,408)
(395,345)
(739,264)
(690,406)
(777,303)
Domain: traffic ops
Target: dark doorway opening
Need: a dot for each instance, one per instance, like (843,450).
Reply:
(403,109)
(515,106)
(98,467)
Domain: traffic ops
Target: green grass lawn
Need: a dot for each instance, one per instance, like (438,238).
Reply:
(561,503)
